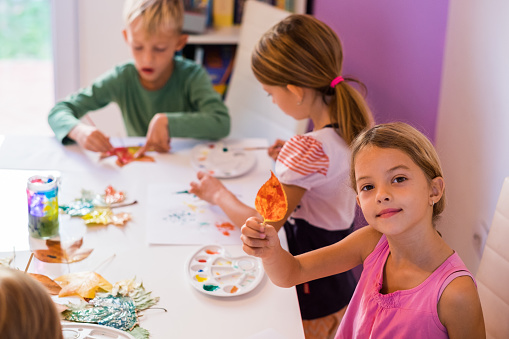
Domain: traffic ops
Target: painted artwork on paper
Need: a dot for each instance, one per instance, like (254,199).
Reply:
(175,217)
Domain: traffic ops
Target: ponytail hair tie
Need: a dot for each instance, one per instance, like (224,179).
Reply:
(336,81)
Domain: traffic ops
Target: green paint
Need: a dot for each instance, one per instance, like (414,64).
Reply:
(210,288)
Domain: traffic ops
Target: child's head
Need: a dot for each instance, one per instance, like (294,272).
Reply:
(26,309)
(154,33)
(155,15)
(410,141)
(303,51)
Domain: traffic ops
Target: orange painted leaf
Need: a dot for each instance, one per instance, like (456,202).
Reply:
(56,254)
(50,285)
(125,155)
(271,200)
(83,284)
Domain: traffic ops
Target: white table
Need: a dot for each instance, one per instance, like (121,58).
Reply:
(123,252)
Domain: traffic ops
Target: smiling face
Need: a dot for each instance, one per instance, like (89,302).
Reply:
(153,53)
(393,192)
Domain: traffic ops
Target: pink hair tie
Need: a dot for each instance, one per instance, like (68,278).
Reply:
(336,81)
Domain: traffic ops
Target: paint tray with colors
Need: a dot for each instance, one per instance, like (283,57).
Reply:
(92,331)
(212,271)
(220,161)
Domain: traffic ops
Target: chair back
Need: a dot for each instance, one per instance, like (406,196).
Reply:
(493,274)
(252,112)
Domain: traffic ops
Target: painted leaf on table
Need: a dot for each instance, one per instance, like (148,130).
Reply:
(51,286)
(125,155)
(105,216)
(82,284)
(55,253)
(271,200)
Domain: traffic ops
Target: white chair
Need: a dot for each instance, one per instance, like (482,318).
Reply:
(252,112)
(493,274)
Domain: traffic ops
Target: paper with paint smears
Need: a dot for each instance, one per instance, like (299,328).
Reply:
(177,218)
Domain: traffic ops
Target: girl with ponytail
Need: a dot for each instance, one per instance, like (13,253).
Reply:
(299,63)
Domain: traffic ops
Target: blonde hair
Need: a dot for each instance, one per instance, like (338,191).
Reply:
(26,309)
(155,14)
(303,51)
(410,141)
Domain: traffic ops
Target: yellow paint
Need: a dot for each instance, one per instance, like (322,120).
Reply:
(201,279)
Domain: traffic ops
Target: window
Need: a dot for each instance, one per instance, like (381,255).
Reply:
(26,66)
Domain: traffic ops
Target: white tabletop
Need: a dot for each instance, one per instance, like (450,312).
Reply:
(123,252)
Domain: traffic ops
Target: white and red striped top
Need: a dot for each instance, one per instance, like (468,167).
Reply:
(319,162)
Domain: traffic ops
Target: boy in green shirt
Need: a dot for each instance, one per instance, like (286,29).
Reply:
(159,94)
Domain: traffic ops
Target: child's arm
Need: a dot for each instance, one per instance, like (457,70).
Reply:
(212,190)
(459,310)
(65,115)
(90,138)
(158,138)
(274,150)
(286,270)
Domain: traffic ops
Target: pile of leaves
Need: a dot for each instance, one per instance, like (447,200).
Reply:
(102,303)
(96,209)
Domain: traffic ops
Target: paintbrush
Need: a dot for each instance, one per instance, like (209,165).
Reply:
(239,149)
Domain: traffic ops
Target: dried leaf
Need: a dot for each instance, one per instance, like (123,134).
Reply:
(56,254)
(112,196)
(50,285)
(271,200)
(83,284)
(100,216)
(6,261)
(105,216)
(125,155)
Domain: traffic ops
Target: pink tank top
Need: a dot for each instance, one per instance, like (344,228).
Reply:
(402,314)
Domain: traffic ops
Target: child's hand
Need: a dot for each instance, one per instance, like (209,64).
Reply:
(90,138)
(207,188)
(260,240)
(274,150)
(158,138)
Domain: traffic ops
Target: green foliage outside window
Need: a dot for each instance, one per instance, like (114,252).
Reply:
(25,29)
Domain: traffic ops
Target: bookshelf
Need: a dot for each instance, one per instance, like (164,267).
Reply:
(224,37)
(230,35)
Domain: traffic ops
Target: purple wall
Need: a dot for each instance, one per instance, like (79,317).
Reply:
(396,48)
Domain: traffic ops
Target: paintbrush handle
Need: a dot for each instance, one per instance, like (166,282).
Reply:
(238,149)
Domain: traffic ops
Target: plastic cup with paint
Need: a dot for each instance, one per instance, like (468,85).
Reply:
(42,194)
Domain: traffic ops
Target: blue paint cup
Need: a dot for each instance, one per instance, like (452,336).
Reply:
(42,194)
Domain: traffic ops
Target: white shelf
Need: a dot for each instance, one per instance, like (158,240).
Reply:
(216,36)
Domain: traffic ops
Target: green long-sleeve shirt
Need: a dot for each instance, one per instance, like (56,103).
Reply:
(193,108)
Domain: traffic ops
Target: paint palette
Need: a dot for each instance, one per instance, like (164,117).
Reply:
(212,271)
(220,161)
(92,331)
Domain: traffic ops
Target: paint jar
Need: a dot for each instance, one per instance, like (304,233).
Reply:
(42,194)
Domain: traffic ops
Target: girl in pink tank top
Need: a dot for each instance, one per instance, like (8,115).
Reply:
(413,284)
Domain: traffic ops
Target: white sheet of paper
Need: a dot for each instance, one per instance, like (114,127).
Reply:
(184,219)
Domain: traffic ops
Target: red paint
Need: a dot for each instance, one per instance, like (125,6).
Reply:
(202,260)
(225,227)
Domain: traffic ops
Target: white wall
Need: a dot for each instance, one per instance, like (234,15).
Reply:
(101,47)
(473,122)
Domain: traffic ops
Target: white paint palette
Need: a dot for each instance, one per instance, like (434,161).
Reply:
(212,271)
(92,331)
(220,161)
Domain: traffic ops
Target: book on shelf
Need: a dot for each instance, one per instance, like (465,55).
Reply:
(218,61)
(222,13)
